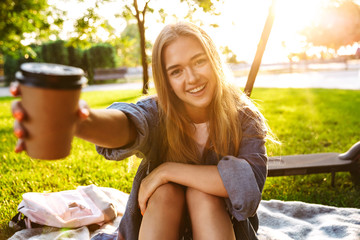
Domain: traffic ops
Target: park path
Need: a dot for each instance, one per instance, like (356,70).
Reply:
(340,79)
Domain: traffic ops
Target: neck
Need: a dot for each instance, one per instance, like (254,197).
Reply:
(200,116)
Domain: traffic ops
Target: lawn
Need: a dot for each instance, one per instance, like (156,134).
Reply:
(304,120)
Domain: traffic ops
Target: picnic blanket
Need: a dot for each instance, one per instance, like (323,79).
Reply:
(279,220)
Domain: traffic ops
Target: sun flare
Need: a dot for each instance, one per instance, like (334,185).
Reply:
(290,18)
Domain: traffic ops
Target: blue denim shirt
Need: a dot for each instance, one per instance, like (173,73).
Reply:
(243,175)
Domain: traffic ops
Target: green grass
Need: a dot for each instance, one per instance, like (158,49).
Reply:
(312,121)
(304,120)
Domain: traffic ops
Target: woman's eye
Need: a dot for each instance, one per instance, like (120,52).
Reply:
(175,73)
(200,61)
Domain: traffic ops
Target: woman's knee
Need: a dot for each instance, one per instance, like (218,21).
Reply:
(163,216)
(168,194)
(208,215)
(195,197)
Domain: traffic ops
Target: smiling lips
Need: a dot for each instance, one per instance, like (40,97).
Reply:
(198,89)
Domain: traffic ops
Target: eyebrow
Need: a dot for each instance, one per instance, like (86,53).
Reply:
(192,58)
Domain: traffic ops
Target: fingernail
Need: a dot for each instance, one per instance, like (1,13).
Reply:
(18,115)
(84,113)
(13,91)
(18,149)
(142,213)
(19,133)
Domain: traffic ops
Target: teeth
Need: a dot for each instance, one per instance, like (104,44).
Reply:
(195,90)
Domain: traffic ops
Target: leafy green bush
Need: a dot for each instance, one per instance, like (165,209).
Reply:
(101,55)
(75,56)
(55,52)
(12,65)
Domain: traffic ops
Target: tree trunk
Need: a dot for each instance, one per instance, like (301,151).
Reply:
(144,62)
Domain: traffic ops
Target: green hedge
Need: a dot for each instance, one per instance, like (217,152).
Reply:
(12,65)
(98,56)
(101,55)
(55,52)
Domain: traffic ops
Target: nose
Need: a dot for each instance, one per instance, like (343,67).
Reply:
(192,75)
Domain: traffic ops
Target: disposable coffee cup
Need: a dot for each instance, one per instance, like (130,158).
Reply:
(50,96)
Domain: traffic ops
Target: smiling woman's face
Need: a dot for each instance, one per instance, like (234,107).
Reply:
(190,75)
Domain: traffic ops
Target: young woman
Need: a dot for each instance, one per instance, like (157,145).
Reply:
(202,143)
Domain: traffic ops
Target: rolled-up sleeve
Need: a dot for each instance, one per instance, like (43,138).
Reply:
(144,115)
(244,175)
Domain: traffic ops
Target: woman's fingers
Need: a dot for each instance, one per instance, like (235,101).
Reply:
(19,131)
(18,111)
(19,114)
(15,89)
(147,188)
(142,200)
(84,110)
(84,113)
(20,145)
(149,185)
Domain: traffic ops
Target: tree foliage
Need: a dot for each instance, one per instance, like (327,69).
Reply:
(21,19)
(12,65)
(338,24)
(100,55)
(35,19)
(229,55)
(202,5)
(133,9)
(86,28)
(128,46)
(51,52)
(55,52)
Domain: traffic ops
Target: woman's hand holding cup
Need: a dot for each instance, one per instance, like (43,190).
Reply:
(47,116)
(20,115)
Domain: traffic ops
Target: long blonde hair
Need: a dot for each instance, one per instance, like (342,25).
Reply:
(225,132)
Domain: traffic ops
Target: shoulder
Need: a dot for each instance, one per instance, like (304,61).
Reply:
(144,105)
(251,119)
(149,102)
(247,109)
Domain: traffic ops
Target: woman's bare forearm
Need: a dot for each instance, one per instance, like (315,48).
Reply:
(205,178)
(107,128)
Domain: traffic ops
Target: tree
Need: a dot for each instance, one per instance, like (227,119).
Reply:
(86,27)
(128,46)
(21,19)
(139,13)
(55,52)
(338,24)
(134,9)
(101,55)
(229,54)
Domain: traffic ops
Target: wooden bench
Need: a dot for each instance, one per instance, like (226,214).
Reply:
(318,163)
(102,74)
